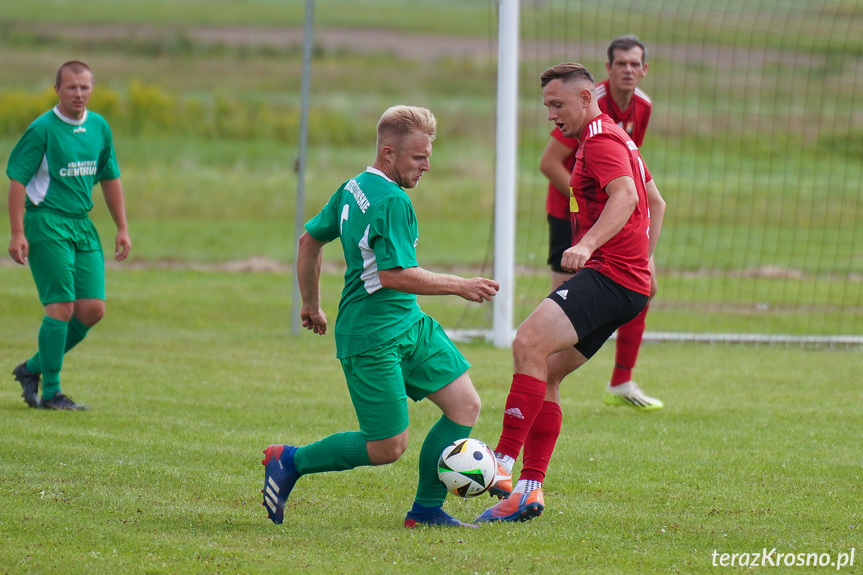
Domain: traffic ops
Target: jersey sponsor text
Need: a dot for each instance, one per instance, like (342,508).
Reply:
(362,201)
(76,169)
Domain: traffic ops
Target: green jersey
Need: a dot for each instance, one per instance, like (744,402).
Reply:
(376,223)
(59,160)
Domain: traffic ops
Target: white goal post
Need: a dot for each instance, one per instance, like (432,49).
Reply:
(505,172)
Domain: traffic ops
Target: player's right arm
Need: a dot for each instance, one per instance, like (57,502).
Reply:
(622,201)
(18,246)
(24,161)
(309,258)
(552,165)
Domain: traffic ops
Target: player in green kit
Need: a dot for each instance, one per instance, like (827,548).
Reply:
(52,171)
(389,349)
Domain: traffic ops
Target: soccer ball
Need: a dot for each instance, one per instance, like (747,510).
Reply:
(467,467)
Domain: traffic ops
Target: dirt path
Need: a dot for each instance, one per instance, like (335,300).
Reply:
(407,45)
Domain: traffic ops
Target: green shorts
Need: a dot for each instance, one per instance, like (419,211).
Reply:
(65,256)
(420,361)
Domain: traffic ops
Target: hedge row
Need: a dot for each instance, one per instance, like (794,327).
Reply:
(145,109)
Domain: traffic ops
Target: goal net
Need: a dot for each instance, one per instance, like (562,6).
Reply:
(756,143)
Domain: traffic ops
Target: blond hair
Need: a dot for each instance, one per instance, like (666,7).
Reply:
(397,122)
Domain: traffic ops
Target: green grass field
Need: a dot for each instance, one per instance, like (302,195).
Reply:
(192,374)
(194,369)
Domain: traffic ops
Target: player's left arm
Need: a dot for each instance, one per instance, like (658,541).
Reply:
(657,212)
(622,201)
(395,233)
(113,191)
(419,281)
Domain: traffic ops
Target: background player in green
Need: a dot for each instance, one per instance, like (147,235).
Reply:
(52,171)
(389,349)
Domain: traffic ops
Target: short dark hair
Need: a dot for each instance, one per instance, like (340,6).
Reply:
(73,66)
(627,42)
(566,72)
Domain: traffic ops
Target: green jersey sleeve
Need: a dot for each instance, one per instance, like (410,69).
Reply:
(27,155)
(324,227)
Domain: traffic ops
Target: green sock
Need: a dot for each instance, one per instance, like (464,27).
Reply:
(337,452)
(76,332)
(430,491)
(52,340)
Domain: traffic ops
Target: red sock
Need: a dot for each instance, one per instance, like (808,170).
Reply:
(540,441)
(629,337)
(522,406)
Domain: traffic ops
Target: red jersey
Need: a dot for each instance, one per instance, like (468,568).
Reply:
(607,152)
(634,121)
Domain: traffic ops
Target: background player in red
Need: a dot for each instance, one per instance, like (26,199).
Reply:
(620,97)
(618,211)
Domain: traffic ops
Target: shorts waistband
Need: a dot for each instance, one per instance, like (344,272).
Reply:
(57,213)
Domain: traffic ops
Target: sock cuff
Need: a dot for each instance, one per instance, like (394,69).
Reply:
(550,407)
(456,427)
(55,322)
(357,451)
(79,326)
(528,385)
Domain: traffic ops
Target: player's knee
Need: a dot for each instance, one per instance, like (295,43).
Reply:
(387,457)
(390,455)
(95,316)
(388,450)
(90,312)
(523,346)
(60,310)
(472,405)
(465,408)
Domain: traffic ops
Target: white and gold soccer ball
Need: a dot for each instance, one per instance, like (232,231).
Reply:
(467,467)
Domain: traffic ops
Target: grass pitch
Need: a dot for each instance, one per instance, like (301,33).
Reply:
(192,374)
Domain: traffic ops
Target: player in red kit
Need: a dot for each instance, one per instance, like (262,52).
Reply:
(617,212)
(620,97)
